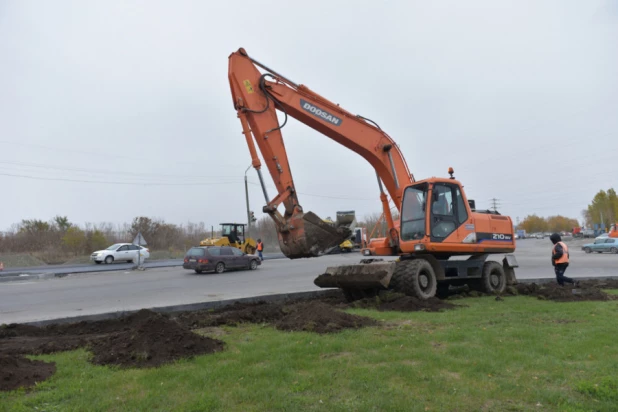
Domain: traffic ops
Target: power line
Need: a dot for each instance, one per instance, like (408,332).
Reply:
(115,183)
(104,154)
(103,171)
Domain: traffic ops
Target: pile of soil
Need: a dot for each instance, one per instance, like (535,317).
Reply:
(143,339)
(411,304)
(393,301)
(300,315)
(152,341)
(19,372)
(238,313)
(320,318)
(585,290)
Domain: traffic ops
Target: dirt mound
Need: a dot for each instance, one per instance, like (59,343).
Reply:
(259,312)
(15,329)
(143,339)
(320,318)
(586,290)
(394,301)
(17,372)
(41,345)
(411,304)
(154,340)
(600,283)
(300,315)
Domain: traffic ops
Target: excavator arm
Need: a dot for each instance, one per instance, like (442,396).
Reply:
(256,97)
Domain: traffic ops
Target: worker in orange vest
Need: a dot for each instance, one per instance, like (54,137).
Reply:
(260,249)
(560,259)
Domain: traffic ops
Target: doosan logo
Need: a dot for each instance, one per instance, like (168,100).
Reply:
(316,111)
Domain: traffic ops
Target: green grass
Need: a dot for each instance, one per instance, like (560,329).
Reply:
(520,354)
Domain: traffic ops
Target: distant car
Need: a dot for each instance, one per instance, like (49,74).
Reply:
(602,236)
(219,259)
(120,252)
(602,245)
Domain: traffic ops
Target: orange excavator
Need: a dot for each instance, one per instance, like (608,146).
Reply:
(436,220)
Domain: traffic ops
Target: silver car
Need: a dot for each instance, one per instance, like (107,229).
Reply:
(120,252)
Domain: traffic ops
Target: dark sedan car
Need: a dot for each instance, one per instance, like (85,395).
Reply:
(219,258)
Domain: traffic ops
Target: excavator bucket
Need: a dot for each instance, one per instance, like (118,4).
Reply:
(345,218)
(311,236)
(369,275)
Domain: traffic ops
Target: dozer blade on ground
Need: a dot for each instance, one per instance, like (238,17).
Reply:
(311,236)
(362,276)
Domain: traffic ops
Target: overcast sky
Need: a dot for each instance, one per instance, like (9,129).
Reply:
(519,97)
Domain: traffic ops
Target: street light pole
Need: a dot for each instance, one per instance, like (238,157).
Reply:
(247,199)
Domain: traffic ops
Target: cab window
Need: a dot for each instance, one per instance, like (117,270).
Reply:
(462,213)
(442,201)
(448,210)
(413,212)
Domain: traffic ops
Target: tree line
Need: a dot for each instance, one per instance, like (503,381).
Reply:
(59,237)
(534,223)
(603,209)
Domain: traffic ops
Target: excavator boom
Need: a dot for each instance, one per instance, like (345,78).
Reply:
(256,98)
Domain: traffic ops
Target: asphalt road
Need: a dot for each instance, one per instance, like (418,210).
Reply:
(93,293)
(92,267)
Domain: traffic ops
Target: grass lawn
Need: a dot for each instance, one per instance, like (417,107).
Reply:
(519,354)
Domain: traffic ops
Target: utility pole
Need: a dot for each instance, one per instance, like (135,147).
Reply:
(248,209)
(494,202)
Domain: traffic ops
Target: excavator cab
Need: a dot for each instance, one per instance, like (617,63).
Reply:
(235,232)
(447,211)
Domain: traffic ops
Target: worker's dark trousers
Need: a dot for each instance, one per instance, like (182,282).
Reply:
(560,278)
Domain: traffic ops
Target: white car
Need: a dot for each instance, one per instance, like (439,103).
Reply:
(120,252)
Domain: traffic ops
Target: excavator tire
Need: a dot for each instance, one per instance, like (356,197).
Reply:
(415,278)
(493,279)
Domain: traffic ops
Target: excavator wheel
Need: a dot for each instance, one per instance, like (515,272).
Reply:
(493,279)
(415,278)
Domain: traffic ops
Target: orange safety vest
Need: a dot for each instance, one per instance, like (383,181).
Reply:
(260,246)
(565,255)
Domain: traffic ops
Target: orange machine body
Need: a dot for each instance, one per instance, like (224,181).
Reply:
(257,96)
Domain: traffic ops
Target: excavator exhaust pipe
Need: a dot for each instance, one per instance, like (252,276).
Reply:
(309,236)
